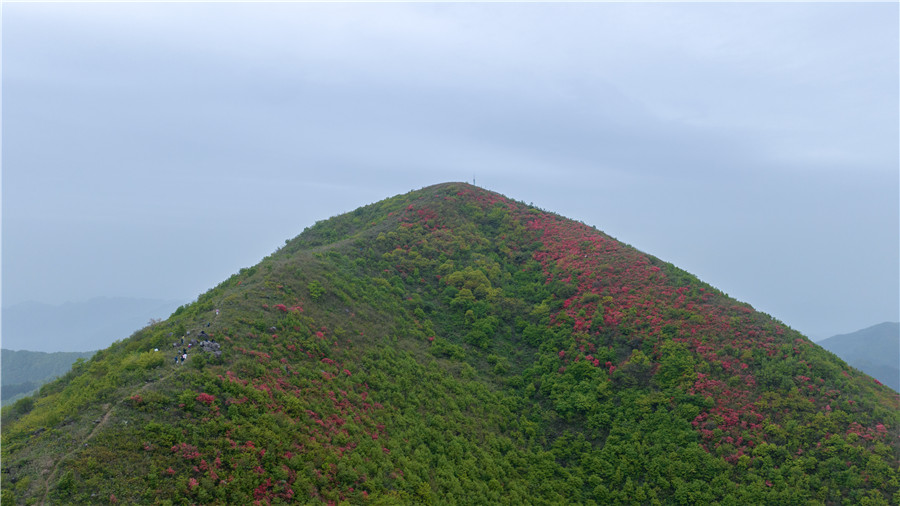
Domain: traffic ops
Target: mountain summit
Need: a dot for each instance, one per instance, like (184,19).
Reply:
(451,345)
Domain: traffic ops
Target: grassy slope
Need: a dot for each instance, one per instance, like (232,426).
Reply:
(450,345)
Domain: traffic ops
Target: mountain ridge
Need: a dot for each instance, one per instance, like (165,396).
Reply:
(874,350)
(453,345)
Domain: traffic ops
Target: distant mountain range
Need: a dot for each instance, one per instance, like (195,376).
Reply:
(78,326)
(23,372)
(874,351)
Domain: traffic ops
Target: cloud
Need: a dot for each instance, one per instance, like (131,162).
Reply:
(708,134)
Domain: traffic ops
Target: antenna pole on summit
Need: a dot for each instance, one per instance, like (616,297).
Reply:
(473,180)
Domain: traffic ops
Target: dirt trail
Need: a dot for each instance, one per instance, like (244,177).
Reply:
(52,475)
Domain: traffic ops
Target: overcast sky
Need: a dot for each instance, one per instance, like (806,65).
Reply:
(152,150)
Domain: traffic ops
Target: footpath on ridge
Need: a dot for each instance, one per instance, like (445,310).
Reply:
(102,421)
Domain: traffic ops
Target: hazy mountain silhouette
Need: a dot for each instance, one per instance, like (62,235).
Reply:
(25,371)
(78,326)
(874,350)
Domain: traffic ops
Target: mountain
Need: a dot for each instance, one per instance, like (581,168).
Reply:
(451,345)
(25,371)
(874,350)
(78,326)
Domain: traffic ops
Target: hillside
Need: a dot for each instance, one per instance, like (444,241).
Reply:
(874,350)
(22,372)
(452,346)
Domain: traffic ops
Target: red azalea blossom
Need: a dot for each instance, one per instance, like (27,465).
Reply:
(187,451)
(205,398)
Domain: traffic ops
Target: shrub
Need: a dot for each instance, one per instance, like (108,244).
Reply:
(206,398)
(315,290)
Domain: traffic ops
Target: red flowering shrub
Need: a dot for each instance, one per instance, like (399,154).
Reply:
(206,398)
(187,451)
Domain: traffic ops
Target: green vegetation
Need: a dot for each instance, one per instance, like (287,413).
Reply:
(453,346)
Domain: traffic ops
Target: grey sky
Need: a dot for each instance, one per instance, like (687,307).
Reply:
(152,150)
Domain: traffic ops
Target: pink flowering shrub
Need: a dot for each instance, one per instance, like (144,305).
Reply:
(205,398)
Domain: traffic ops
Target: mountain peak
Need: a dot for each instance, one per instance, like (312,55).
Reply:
(451,344)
